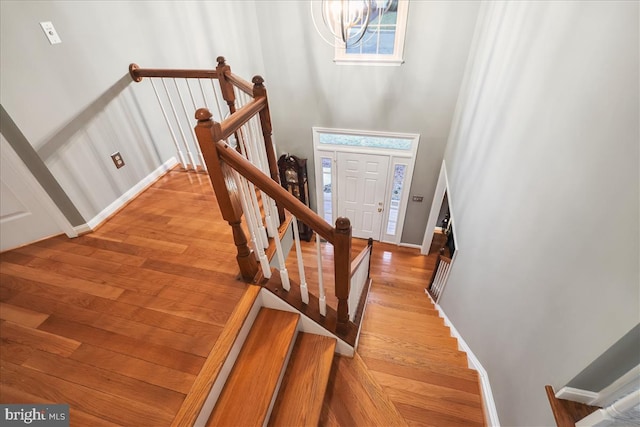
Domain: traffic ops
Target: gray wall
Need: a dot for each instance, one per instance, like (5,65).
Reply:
(307,88)
(75,103)
(38,169)
(543,171)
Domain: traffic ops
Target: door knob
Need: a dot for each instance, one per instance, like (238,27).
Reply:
(379,209)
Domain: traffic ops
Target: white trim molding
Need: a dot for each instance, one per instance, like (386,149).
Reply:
(131,194)
(488,402)
(577,395)
(442,187)
(608,395)
(397,156)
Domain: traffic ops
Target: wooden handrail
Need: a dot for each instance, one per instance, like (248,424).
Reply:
(138,73)
(240,117)
(275,191)
(240,83)
(359,259)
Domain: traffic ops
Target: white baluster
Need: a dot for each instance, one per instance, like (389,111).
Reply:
(273,230)
(215,95)
(322,301)
(257,159)
(304,290)
(254,198)
(204,97)
(166,119)
(250,152)
(193,132)
(175,116)
(261,256)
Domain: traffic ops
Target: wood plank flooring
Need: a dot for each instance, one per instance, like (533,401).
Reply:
(404,347)
(119,322)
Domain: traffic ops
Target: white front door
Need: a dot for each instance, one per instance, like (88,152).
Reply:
(362,182)
(24,218)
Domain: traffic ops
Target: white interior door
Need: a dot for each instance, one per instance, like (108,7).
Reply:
(24,216)
(362,182)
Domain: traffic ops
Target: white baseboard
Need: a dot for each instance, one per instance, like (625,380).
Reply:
(126,197)
(409,245)
(473,362)
(81,229)
(577,395)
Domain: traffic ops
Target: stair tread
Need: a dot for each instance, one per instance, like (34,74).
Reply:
(299,402)
(354,397)
(248,392)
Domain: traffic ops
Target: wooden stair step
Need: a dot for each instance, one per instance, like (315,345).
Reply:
(299,402)
(247,395)
(354,397)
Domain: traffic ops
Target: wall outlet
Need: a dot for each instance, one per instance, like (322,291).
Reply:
(117,159)
(417,198)
(50,32)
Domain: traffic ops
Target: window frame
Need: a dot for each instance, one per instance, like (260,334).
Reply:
(341,56)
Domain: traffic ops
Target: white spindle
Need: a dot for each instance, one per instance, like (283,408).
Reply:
(249,150)
(259,250)
(215,96)
(175,116)
(166,119)
(242,143)
(267,204)
(438,280)
(304,290)
(193,132)
(322,301)
(204,97)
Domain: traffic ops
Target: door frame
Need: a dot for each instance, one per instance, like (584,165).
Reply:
(39,193)
(396,156)
(442,187)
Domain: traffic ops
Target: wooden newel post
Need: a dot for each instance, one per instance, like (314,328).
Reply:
(226,87)
(207,132)
(342,266)
(265,122)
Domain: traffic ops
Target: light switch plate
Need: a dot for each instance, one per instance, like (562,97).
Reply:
(50,32)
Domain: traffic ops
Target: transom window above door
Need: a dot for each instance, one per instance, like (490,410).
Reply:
(366,177)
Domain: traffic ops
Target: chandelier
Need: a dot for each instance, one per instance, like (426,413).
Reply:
(346,21)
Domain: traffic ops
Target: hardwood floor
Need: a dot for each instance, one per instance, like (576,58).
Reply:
(406,348)
(119,322)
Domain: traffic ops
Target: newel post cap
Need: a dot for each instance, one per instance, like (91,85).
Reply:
(343,225)
(203,115)
(257,80)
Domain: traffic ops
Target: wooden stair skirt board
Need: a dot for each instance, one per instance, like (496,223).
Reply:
(270,349)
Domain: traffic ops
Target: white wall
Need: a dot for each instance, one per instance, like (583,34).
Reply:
(307,88)
(74,101)
(543,168)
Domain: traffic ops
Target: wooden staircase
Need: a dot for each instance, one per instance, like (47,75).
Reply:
(284,378)
(277,369)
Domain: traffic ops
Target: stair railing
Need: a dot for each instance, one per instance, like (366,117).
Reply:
(237,151)
(439,277)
